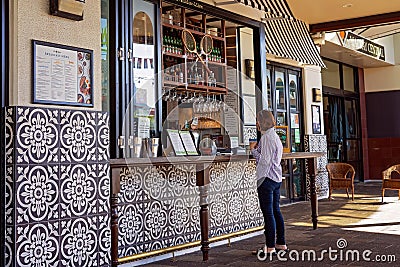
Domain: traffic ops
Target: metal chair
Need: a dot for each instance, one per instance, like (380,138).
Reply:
(388,182)
(341,176)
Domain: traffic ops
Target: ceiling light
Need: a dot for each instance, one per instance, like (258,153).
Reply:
(347,5)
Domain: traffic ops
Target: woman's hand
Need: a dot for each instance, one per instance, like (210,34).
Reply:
(253,144)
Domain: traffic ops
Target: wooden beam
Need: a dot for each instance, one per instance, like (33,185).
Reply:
(346,24)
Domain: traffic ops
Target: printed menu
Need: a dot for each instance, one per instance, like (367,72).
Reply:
(62,74)
(176,141)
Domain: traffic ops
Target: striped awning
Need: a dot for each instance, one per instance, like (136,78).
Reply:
(289,38)
(275,8)
(286,36)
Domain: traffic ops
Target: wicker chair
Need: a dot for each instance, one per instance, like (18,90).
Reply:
(341,176)
(388,182)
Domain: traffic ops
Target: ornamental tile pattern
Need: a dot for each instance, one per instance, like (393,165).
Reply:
(317,143)
(162,209)
(158,208)
(57,187)
(233,198)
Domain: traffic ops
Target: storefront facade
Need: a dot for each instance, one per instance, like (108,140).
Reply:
(57,158)
(350,104)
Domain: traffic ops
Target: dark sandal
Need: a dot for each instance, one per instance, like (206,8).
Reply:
(280,249)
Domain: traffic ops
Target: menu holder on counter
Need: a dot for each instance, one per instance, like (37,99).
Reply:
(62,75)
(188,143)
(176,142)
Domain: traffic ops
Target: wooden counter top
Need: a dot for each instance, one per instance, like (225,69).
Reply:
(119,163)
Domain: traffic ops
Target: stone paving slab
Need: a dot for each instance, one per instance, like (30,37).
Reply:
(365,224)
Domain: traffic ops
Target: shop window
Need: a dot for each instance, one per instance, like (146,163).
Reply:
(348,79)
(331,75)
(143,57)
(293,92)
(280,90)
(266,99)
(105,61)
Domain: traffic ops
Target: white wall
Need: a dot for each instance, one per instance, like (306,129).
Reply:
(388,43)
(31,20)
(382,79)
(311,79)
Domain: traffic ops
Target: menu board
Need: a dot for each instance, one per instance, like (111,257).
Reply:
(188,143)
(231,110)
(176,141)
(62,75)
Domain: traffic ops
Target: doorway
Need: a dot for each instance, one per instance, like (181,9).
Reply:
(341,101)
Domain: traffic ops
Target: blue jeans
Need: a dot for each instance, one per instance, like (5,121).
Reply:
(268,195)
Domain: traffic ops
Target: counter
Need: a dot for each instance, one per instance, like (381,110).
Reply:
(168,203)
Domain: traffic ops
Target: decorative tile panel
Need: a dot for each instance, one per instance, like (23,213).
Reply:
(57,187)
(104,235)
(9,195)
(249,132)
(37,136)
(103,136)
(78,136)
(78,190)
(317,143)
(159,207)
(38,244)
(79,242)
(9,132)
(36,193)
(233,198)
(9,255)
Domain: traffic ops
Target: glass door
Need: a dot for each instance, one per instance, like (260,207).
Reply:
(352,141)
(342,129)
(334,128)
(283,96)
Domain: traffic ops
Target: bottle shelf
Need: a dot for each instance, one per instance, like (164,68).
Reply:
(180,28)
(197,77)
(173,55)
(173,84)
(216,63)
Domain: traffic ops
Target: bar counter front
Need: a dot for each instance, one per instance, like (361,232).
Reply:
(160,205)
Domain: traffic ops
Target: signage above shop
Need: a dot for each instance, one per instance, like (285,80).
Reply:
(363,45)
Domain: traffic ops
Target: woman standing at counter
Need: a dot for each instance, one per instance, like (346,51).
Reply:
(268,155)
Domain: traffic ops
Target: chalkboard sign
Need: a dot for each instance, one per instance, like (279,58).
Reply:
(283,133)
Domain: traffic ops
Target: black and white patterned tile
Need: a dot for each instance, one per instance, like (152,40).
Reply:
(79,242)
(9,134)
(318,143)
(38,244)
(131,225)
(9,255)
(103,182)
(233,197)
(49,197)
(103,136)
(9,195)
(36,193)
(104,235)
(78,190)
(36,136)
(78,136)
(249,132)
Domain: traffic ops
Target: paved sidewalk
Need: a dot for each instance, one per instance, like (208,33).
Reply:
(362,224)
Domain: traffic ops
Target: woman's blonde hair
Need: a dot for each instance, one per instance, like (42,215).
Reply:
(265,119)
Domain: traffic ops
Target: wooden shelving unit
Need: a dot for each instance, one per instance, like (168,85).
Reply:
(183,70)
